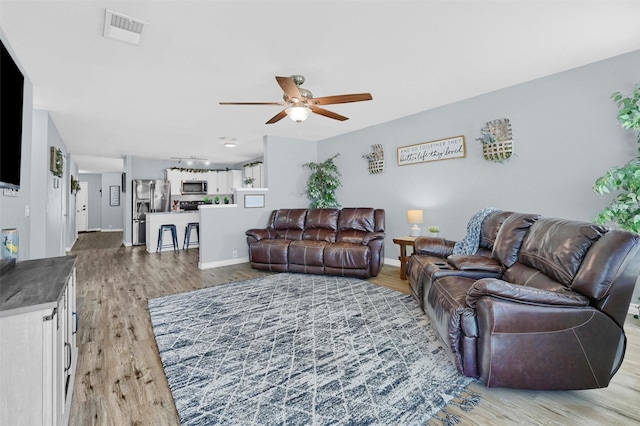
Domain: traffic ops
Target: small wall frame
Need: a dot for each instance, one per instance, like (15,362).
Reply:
(114,195)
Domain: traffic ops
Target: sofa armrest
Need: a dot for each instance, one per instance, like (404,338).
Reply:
(260,234)
(373,236)
(513,292)
(464,262)
(433,246)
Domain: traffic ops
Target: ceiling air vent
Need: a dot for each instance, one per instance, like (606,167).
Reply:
(123,28)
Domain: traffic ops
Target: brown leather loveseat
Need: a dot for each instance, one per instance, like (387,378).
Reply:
(346,242)
(550,311)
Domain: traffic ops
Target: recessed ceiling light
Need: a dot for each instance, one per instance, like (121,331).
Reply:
(229,141)
(230,144)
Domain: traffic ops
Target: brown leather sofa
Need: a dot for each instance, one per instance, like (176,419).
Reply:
(346,242)
(550,312)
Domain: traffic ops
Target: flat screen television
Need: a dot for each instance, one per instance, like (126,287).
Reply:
(11,100)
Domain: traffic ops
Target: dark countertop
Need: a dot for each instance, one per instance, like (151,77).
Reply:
(34,285)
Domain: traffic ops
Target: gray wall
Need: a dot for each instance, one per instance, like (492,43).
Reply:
(112,216)
(40,212)
(565,136)
(12,209)
(94,199)
(223,229)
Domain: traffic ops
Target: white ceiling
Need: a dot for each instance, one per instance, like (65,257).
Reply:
(160,100)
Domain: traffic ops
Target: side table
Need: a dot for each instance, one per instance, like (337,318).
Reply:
(403,242)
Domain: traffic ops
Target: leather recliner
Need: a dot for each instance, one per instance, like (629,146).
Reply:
(345,242)
(553,318)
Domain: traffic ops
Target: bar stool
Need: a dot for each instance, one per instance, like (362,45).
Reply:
(174,237)
(187,235)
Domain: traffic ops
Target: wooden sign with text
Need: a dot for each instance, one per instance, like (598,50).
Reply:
(443,149)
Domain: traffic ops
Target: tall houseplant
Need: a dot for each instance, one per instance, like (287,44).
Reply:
(322,184)
(625,208)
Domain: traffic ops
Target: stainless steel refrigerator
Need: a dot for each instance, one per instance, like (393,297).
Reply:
(149,196)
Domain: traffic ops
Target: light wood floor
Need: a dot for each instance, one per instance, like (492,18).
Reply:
(120,380)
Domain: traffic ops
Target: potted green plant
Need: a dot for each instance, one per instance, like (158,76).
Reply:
(434,230)
(249,182)
(322,184)
(225,199)
(625,208)
(207,199)
(216,200)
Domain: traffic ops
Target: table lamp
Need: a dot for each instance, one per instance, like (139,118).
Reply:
(415,217)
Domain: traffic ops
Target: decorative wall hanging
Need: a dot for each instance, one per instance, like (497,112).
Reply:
(55,161)
(114,195)
(75,185)
(497,140)
(442,149)
(375,158)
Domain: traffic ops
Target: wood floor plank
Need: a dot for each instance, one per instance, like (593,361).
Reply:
(120,380)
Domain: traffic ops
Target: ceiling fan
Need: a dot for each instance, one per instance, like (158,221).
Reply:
(299,102)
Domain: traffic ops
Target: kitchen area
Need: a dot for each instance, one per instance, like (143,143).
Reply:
(177,199)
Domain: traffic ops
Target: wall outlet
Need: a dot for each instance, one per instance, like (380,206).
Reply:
(235,252)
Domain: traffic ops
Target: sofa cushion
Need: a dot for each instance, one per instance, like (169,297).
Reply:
(359,219)
(556,247)
(321,225)
(270,252)
(307,252)
(510,236)
(289,223)
(347,256)
(490,227)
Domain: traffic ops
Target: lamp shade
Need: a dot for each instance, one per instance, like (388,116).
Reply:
(415,216)
(298,113)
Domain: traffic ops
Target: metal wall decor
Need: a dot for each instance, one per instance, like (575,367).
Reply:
(497,140)
(375,158)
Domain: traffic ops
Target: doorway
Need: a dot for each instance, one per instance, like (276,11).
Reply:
(82,208)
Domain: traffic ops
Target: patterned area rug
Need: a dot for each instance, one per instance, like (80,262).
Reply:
(301,349)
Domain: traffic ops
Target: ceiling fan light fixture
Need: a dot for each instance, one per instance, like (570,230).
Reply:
(298,113)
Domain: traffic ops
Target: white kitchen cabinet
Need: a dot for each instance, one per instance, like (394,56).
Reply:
(256,173)
(234,180)
(218,183)
(175,178)
(38,351)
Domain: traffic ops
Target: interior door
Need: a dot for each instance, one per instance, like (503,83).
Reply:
(82,207)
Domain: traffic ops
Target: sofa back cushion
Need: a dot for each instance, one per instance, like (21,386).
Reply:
(557,247)
(289,223)
(606,263)
(354,224)
(489,231)
(510,236)
(321,225)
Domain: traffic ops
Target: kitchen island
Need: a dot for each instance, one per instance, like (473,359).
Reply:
(179,219)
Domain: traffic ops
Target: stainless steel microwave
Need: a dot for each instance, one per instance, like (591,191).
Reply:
(194,187)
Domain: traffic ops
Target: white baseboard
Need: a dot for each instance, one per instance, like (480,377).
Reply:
(209,265)
(633,309)
(391,262)
(127,243)
(111,230)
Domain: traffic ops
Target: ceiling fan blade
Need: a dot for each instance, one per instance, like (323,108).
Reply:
(289,88)
(341,99)
(279,116)
(252,103)
(327,113)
